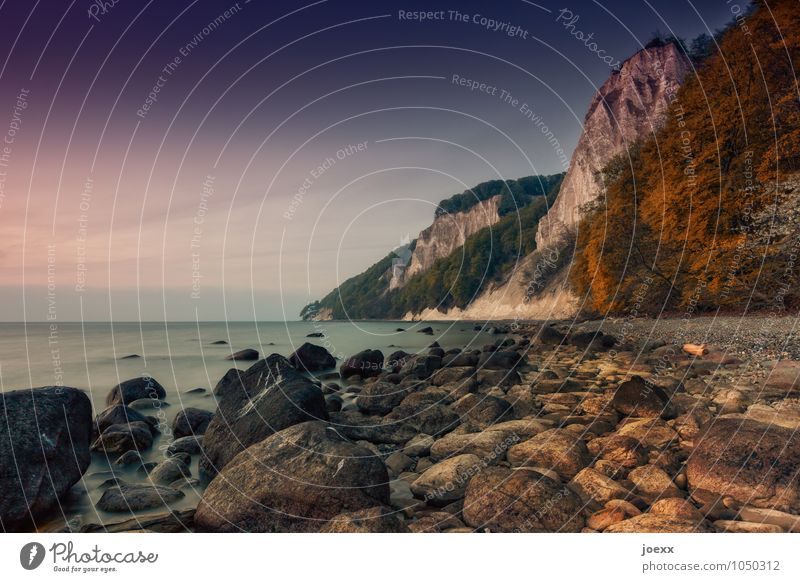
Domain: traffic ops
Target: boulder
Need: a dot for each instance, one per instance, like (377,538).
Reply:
(44,450)
(266,398)
(460,360)
(297,480)
(626,451)
(490,446)
(119,438)
(380,397)
(422,366)
(452,375)
(117,414)
(556,449)
(653,483)
(549,335)
(190,445)
(447,480)
(136,389)
(433,419)
(639,399)
(359,427)
(592,485)
(397,360)
(191,422)
(312,358)
(754,463)
(128,498)
(499,360)
(367,364)
(248,354)
(372,520)
(483,410)
(650,523)
(508,500)
(169,470)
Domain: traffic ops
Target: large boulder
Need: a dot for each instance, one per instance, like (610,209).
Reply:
(754,463)
(557,449)
(380,397)
(136,389)
(266,398)
(44,450)
(367,363)
(190,422)
(499,360)
(639,399)
(421,366)
(521,500)
(447,480)
(298,480)
(312,358)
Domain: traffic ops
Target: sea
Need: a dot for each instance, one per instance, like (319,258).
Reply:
(181,356)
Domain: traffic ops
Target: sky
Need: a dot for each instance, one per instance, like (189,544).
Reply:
(213,160)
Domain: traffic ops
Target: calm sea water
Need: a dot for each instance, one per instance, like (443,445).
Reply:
(181,356)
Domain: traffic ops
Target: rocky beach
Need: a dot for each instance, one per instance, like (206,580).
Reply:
(602,426)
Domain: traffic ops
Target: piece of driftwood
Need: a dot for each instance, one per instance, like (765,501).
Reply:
(695,349)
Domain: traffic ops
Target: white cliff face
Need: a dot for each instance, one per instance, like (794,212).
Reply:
(444,236)
(630,106)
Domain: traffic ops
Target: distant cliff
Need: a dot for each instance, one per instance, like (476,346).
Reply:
(629,107)
(498,216)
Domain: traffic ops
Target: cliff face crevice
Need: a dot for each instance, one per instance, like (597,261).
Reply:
(446,235)
(630,106)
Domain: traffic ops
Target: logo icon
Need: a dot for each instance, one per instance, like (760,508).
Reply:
(31,555)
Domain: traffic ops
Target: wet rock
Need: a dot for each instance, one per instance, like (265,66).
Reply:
(419,446)
(136,389)
(653,483)
(129,498)
(626,451)
(248,354)
(380,397)
(676,508)
(398,462)
(117,414)
(315,334)
(270,396)
(489,446)
(397,360)
(191,422)
(421,367)
(435,522)
(191,445)
(606,517)
(648,523)
(169,470)
(372,520)
(44,449)
(650,432)
(426,330)
(447,480)
(129,458)
(312,358)
(483,410)
(314,474)
(499,360)
(433,419)
(590,484)
(461,360)
(556,449)
(453,374)
(367,364)
(358,427)
(752,462)
(119,438)
(506,500)
(549,335)
(639,399)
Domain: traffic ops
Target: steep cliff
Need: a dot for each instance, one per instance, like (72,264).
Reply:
(629,107)
(447,233)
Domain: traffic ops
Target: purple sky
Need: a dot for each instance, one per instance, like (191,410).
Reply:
(163,158)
